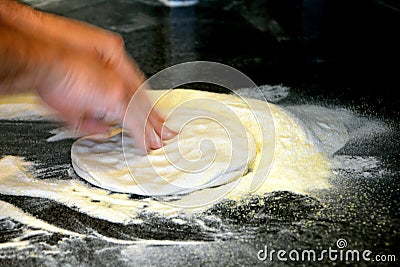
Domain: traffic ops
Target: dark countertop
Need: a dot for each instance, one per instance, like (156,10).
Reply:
(327,52)
(332,49)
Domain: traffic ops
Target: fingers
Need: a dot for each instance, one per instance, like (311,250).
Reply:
(137,129)
(152,139)
(158,124)
(135,79)
(142,112)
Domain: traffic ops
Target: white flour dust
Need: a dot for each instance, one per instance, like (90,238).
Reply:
(306,138)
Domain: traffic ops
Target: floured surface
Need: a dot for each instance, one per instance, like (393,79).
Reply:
(236,129)
(42,185)
(24,107)
(298,166)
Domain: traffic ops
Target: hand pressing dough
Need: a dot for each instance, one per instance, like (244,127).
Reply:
(214,147)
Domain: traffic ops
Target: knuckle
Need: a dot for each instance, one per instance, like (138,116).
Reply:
(117,42)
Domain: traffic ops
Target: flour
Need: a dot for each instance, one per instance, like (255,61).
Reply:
(287,158)
(24,107)
(302,163)
(355,163)
(298,166)
(20,216)
(271,93)
(63,133)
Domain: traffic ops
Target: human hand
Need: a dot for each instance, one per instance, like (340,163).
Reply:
(85,74)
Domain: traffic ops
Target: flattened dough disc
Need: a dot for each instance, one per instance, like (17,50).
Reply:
(212,148)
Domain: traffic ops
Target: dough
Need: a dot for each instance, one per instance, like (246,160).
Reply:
(232,146)
(288,157)
(213,148)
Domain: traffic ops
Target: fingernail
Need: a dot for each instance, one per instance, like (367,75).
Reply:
(167,133)
(156,141)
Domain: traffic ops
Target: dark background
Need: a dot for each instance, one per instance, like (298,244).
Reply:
(344,51)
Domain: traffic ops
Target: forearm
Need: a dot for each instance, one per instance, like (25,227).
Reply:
(31,40)
(81,70)
(20,52)
(17,15)
(16,61)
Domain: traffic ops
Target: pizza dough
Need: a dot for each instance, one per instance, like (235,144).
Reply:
(213,148)
(240,146)
(288,157)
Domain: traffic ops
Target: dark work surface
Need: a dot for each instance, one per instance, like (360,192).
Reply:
(339,52)
(345,51)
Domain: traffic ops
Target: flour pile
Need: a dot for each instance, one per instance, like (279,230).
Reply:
(283,153)
(289,148)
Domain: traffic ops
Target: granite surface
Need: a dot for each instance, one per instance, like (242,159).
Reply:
(327,52)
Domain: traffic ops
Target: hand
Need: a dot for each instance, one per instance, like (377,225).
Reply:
(85,73)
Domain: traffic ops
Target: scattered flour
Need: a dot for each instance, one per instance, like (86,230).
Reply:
(306,139)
